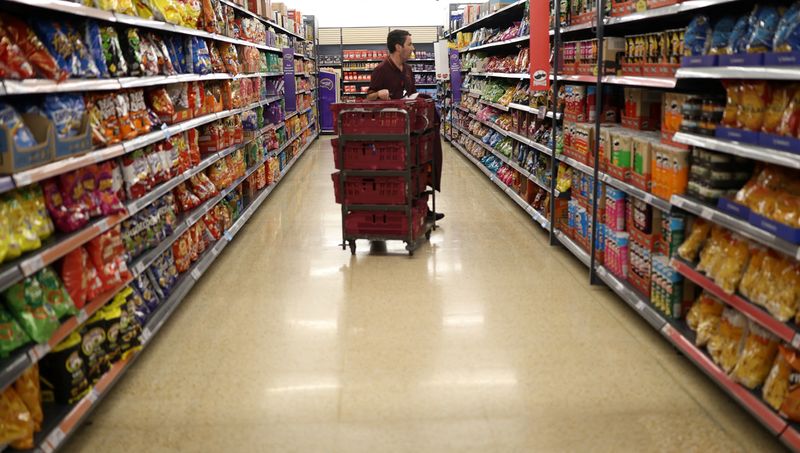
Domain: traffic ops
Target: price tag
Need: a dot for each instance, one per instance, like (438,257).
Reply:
(38,352)
(707,213)
(542,113)
(82,316)
(32,265)
(196,274)
(228,236)
(796,341)
(55,438)
(640,305)
(140,268)
(146,334)
(92,396)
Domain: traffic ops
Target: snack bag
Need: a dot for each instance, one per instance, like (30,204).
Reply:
(136,173)
(10,119)
(704,317)
(23,236)
(112,52)
(86,64)
(757,357)
(112,316)
(27,387)
(16,422)
(161,103)
(13,64)
(780,96)
(165,65)
(733,89)
(230,57)
(217,63)
(740,34)
(181,250)
(35,52)
(712,254)
(55,294)
(63,372)
(126,127)
(790,121)
(144,288)
(199,58)
(164,10)
(75,278)
(132,49)
(735,255)
(750,114)
(186,199)
(763,23)
(721,35)
(26,302)
(787,35)
(66,112)
(93,347)
(726,345)
(12,336)
(150,56)
(102,111)
(59,45)
(140,121)
(776,387)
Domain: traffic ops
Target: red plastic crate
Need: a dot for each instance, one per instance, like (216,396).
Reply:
(383,155)
(373,117)
(378,223)
(378,189)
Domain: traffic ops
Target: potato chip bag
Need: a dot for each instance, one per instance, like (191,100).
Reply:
(733,261)
(63,372)
(12,336)
(757,357)
(16,423)
(776,386)
(751,111)
(74,276)
(102,111)
(27,387)
(725,345)
(55,294)
(22,232)
(27,303)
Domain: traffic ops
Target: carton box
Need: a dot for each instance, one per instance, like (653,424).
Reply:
(14,159)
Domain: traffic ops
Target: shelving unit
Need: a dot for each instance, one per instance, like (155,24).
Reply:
(62,421)
(674,329)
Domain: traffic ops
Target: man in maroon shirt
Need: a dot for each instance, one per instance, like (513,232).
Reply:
(394,79)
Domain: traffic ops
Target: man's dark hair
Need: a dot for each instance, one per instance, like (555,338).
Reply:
(396,37)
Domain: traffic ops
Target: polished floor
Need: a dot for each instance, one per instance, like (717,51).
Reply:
(488,339)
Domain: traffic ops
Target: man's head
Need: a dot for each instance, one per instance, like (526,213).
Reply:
(399,43)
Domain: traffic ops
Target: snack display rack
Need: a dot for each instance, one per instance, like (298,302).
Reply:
(641,233)
(264,136)
(384,154)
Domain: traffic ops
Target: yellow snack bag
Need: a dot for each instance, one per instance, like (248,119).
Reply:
(16,423)
(725,345)
(165,10)
(776,387)
(5,231)
(697,237)
(732,263)
(125,7)
(21,229)
(757,357)
(704,317)
(27,387)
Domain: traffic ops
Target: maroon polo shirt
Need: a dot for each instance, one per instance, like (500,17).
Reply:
(387,76)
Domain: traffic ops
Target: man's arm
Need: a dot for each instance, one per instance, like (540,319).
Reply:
(375,95)
(376,84)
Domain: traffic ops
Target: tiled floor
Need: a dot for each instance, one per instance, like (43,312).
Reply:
(487,339)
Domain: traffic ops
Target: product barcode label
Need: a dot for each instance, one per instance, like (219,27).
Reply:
(146,334)
(55,438)
(640,305)
(92,396)
(228,236)
(32,265)
(82,317)
(707,213)
(140,268)
(196,274)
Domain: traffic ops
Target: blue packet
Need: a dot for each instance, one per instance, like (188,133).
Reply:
(198,57)
(763,24)
(697,36)
(721,35)
(66,112)
(94,43)
(55,39)
(787,36)
(144,287)
(737,42)
(86,65)
(23,137)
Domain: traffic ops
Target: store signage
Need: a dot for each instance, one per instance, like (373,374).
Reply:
(289,85)
(540,45)
(328,89)
(455,75)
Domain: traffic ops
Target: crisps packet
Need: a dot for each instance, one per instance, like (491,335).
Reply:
(776,387)
(27,303)
(35,52)
(726,345)
(13,336)
(757,357)
(55,294)
(16,423)
(102,110)
(27,387)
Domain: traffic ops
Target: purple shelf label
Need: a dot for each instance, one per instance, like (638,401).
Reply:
(289,85)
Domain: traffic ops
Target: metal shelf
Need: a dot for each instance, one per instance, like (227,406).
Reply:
(575,164)
(535,215)
(651,82)
(474,25)
(502,75)
(782,330)
(525,38)
(535,111)
(492,104)
(574,248)
(741,72)
(739,226)
(262,19)
(632,298)
(745,150)
(633,191)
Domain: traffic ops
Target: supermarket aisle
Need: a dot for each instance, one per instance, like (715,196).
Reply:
(486,340)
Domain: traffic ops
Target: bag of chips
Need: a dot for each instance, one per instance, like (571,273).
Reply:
(165,66)
(27,387)
(13,336)
(59,45)
(776,387)
(94,44)
(26,302)
(165,10)
(11,120)
(144,287)
(23,238)
(112,52)
(55,294)
(66,112)
(102,111)
(198,55)
(757,357)
(726,345)
(161,103)
(16,422)
(132,50)
(136,173)
(13,64)
(763,24)
(86,64)
(63,372)
(74,276)
(35,52)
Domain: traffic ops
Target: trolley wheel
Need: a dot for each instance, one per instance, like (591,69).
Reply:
(352,246)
